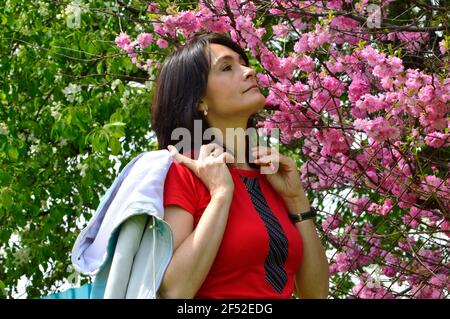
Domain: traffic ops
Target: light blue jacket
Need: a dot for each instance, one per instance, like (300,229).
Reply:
(127,245)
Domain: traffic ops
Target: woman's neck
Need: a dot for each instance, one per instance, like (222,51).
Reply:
(236,146)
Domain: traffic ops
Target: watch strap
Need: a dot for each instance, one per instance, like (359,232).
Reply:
(299,217)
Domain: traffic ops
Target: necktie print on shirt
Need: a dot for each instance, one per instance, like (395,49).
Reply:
(278,243)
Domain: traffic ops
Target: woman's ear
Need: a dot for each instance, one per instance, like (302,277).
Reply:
(202,106)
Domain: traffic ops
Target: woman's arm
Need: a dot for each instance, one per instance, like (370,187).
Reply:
(194,251)
(312,279)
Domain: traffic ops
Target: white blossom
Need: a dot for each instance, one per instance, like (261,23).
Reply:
(115,83)
(82,168)
(71,91)
(3,129)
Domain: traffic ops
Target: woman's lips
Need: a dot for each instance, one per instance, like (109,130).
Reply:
(251,88)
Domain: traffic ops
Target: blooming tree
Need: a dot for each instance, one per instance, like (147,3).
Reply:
(360,93)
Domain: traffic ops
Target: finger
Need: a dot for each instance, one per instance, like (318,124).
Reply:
(180,158)
(269,164)
(206,150)
(225,158)
(217,152)
(262,151)
(266,159)
(276,161)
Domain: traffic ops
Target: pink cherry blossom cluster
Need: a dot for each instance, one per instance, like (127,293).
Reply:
(369,126)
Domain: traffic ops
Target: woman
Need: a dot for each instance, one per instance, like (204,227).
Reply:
(233,235)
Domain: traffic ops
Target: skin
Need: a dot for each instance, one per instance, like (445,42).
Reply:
(195,249)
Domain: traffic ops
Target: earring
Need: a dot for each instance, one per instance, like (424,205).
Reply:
(205,112)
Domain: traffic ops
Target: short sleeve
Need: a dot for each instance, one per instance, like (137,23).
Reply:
(180,188)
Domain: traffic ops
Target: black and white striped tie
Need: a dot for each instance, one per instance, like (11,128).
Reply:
(278,243)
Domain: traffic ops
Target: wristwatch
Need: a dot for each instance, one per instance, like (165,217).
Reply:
(299,217)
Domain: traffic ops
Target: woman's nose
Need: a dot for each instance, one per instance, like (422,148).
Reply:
(249,72)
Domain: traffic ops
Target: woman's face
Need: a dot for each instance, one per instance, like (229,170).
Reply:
(229,91)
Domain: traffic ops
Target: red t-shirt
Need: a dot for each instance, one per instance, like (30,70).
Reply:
(238,270)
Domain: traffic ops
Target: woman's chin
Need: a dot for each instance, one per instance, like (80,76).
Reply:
(259,103)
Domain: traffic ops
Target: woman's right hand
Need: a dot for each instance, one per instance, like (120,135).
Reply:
(210,168)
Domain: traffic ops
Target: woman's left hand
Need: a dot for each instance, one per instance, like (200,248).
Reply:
(286,180)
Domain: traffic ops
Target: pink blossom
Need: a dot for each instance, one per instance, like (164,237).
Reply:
(344,23)
(276,11)
(305,63)
(332,222)
(123,41)
(162,43)
(333,269)
(288,66)
(389,271)
(359,86)
(263,79)
(300,91)
(334,4)
(413,39)
(435,290)
(333,85)
(365,290)
(445,227)
(358,113)
(188,22)
(414,218)
(379,129)
(211,22)
(427,94)
(437,139)
(322,100)
(434,184)
(299,24)
(371,103)
(302,44)
(152,7)
(386,208)
(372,56)
(343,262)
(144,40)
(280,30)
(358,205)
(442,47)
(391,67)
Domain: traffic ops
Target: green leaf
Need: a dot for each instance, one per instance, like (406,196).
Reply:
(2,289)
(100,142)
(114,144)
(100,67)
(12,153)
(6,199)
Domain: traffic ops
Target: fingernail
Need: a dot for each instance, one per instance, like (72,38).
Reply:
(272,167)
